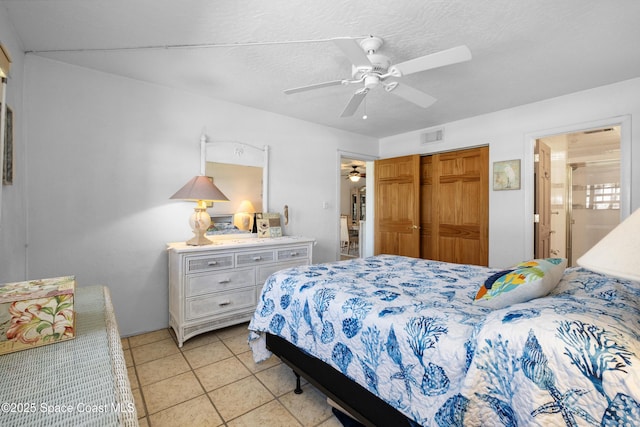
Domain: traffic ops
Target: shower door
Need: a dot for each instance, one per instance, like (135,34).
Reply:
(593,204)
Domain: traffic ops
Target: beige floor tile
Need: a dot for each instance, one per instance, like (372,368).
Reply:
(169,392)
(128,360)
(273,414)
(310,407)
(169,385)
(155,350)
(200,340)
(331,422)
(279,379)
(207,354)
(247,359)
(232,331)
(221,373)
(149,337)
(137,399)
(160,369)
(237,343)
(198,412)
(133,378)
(240,397)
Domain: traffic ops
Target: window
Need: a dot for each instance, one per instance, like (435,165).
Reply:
(603,196)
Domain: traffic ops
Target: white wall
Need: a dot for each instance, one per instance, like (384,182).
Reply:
(13,221)
(105,153)
(508,135)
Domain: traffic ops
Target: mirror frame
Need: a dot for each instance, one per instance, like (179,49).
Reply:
(237,153)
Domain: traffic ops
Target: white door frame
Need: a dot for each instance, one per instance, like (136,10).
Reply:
(528,166)
(369,188)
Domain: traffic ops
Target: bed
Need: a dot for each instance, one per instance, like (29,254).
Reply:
(399,341)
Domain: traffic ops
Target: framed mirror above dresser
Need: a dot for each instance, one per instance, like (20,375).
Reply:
(218,285)
(240,171)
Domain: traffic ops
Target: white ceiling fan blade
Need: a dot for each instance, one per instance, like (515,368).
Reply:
(311,87)
(353,51)
(354,103)
(410,94)
(434,60)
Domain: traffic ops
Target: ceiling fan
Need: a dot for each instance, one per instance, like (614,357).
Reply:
(355,175)
(373,69)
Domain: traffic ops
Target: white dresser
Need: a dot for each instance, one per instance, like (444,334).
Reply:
(218,285)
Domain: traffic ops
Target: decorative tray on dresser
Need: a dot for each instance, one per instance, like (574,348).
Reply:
(218,285)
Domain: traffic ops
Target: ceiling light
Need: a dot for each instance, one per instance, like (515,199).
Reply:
(354,175)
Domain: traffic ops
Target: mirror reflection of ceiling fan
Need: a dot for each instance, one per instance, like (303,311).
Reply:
(371,69)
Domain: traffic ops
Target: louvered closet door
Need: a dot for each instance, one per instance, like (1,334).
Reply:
(460,206)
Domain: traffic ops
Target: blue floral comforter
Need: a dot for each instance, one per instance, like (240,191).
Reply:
(407,330)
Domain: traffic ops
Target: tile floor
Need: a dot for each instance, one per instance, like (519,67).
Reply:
(213,381)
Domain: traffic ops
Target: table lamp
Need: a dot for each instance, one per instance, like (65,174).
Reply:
(245,212)
(201,190)
(618,253)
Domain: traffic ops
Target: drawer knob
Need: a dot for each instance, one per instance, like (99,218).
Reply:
(257,258)
(224,281)
(293,254)
(223,303)
(212,263)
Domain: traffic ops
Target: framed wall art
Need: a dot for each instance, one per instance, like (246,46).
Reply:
(506,175)
(268,224)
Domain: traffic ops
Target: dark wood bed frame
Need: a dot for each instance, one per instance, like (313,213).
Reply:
(361,404)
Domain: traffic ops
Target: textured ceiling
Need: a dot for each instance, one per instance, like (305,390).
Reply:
(523,51)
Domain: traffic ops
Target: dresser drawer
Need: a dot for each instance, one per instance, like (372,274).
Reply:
(291,254)
(251,258)
(211,262)
(204,283)
(220,303)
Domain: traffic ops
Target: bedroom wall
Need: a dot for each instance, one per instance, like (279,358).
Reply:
(13,221)
(105,153)
(508,134)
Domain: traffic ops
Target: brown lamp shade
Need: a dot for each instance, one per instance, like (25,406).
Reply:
(200,188)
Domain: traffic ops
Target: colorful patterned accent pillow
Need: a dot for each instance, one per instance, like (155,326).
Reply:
(521,283)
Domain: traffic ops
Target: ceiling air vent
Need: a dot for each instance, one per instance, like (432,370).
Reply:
(432,136)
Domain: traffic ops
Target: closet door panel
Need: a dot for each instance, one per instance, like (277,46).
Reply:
(397,209)
(460,195)
(426,207)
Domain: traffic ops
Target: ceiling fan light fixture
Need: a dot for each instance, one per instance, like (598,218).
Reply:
(354,175)
(371,81)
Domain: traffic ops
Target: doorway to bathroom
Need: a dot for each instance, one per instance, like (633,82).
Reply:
(578,191)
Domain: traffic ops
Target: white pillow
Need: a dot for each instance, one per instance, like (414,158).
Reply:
(521,283)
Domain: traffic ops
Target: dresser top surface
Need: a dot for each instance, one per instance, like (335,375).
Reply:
(223,244)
